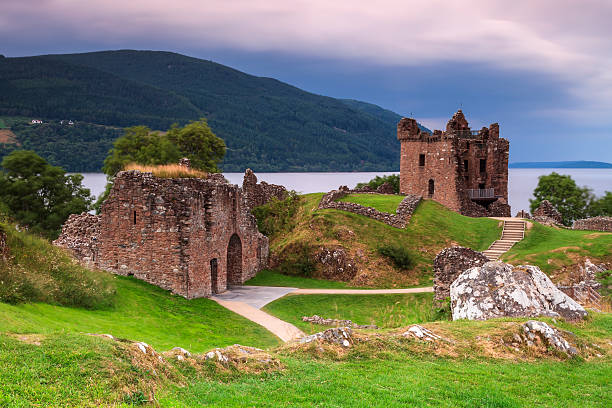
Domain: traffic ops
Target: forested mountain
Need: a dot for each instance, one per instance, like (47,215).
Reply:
(267,125)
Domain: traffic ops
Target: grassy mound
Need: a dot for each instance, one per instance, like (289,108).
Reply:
(146,313)
(553,249)
(432,228)
(36,271)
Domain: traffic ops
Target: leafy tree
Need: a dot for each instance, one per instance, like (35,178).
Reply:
(197,142)
(601,206)
(377,181)
(563,193)
(39,195)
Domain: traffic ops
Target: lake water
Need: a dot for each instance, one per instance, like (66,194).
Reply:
(522,182)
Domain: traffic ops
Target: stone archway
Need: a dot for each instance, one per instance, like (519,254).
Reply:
(234,261)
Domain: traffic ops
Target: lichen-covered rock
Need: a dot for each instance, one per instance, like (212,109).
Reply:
(450,263)
(338,335)
(535,332)
(546,213)
(336,322)
(419,332)
(337,264)
(240,356)
(500,290)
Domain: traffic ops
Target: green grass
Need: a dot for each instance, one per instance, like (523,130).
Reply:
(143,312)
(405,380)
(269,277)
(382,202)
(385,311)
(552,248)
(432,228)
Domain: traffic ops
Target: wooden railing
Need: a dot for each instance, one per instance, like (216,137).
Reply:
(475,193)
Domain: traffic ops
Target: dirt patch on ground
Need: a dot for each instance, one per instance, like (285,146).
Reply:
(597,234)
(7,136)
(563,249)
(34,339)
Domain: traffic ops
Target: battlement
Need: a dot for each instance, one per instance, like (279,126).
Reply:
(457,127)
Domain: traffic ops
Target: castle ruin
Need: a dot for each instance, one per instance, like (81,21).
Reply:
(465,170)
(191,236)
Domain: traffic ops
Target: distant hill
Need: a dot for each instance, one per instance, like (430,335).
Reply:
(583,164)
(267,125)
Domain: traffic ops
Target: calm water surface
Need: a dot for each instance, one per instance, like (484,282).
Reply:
(521,181)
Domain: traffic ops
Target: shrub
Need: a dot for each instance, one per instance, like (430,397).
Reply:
(377,181)
(296,259)
(401,257)
(278,216)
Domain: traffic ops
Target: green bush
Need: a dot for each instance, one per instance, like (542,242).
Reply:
(377,181)
(296,260)
(401,257)
(278,216)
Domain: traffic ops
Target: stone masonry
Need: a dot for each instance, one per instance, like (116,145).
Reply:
(546,213)
(465,170)
(257,194)
(191,236)
(594,224)
(449,264)
(4,250)
(398,220)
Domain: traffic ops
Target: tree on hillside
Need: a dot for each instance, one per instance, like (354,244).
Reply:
(601,206)
(39,195)
(563,193)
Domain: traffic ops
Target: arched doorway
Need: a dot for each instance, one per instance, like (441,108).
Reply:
(431,188)
(234,261)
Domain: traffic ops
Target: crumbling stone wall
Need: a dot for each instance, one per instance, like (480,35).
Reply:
(4,249)
(594,224)
(191,236)
(80,235)
(398,220)
(449,264)
(443,166)
(259,194)
(546,213)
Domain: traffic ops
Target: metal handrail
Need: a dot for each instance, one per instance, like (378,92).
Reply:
(481,193)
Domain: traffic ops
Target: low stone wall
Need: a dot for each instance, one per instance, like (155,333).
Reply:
(594,224)
(450,263)
(398,220)
(80,235)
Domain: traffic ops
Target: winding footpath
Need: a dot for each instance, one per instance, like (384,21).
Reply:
(247,301)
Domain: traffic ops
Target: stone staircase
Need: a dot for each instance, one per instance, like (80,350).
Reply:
(514,231)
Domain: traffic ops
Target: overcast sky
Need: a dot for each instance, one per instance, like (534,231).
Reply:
(541,68)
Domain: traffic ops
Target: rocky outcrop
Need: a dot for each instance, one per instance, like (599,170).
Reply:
(400,219)
(342,336)
(80,235)
(594,224)
(546,213)
(450,263)
(335,322)
(582,285)
(257,194)
(419,332)
(500,290)
(337,264)
(535,333)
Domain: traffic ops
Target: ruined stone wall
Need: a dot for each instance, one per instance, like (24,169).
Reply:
(455,161)
(594,224)
(398,220)
(4,249)
(191,236)
(259,194)
(547,214)
(80,236)
(449,264)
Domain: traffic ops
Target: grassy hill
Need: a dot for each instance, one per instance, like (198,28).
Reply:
(268,125)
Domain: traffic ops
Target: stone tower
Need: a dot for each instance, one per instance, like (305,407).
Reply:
(465,170)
